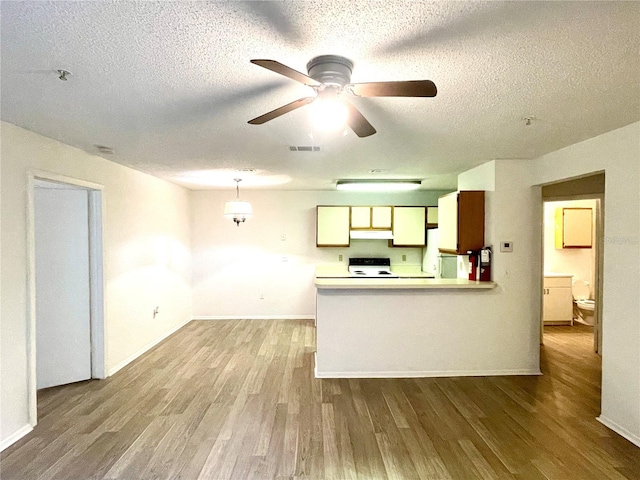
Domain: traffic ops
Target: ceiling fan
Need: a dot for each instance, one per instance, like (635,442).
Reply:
(329,76)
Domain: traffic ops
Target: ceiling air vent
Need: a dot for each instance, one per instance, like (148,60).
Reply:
(303,148)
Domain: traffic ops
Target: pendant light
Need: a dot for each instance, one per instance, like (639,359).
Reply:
(237,210)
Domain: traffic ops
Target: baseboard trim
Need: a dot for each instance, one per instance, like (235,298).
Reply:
(146,348)
(13,438)
(425,374)
(254,317)
(623,432)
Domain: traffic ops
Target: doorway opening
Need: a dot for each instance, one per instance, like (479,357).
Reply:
(66,338)
(573,237)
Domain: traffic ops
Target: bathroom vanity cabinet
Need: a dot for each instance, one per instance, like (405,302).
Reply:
(557,304)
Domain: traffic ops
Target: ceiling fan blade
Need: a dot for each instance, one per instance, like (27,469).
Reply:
(360,125)
(281,110)
(410,88)
(287,72)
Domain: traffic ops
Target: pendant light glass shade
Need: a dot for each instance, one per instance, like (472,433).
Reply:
(237,210)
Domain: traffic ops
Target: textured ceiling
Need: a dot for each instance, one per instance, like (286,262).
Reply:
(169,86)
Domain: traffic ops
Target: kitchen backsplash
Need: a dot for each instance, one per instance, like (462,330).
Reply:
(371,248)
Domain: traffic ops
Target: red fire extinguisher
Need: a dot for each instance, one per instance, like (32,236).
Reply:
(473,265)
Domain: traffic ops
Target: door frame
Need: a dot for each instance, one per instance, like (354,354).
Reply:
(96,279)
(599,260)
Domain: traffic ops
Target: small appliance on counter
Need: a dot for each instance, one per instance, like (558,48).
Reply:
(368,267)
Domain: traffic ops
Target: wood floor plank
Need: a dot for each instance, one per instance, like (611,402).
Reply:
(238,400)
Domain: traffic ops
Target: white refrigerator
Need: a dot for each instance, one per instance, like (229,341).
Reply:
(441,265)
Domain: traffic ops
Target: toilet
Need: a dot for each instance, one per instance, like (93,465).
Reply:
(583,307)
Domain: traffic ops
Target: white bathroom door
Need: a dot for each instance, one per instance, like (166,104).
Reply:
(63,313)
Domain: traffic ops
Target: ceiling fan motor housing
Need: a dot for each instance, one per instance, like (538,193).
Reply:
(331,70)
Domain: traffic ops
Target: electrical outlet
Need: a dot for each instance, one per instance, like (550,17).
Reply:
(262,296)
(340,257)
(404,258)
(283,237)
(285,258)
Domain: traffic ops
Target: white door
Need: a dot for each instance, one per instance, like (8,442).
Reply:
(63,323)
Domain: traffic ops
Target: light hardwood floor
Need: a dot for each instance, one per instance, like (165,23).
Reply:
(238,400)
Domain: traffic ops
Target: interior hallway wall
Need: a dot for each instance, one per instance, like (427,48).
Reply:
(233,266)
(508,320)
(146,241)
(617,153)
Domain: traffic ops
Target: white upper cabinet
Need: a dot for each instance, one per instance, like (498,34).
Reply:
(574,228)
(367,218)
(409,226)
(360,217)
(381,217)
(448,222)
(332,226)
(432,217)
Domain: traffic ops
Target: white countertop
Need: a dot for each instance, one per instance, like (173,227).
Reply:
(400,283)
(341,271)
(409,277)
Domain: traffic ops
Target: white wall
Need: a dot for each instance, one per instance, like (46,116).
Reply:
(146,259)
(512,320)
(233,266)
(617,153)
(579,262)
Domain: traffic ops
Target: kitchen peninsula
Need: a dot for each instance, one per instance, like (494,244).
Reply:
(409,326)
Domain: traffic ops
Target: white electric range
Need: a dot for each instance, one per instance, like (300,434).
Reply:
(369,267)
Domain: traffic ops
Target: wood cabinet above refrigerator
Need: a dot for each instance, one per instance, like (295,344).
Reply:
(461,222)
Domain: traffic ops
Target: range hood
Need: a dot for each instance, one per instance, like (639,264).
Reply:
(371,234)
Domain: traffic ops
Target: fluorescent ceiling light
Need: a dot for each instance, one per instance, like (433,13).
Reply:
(378,185)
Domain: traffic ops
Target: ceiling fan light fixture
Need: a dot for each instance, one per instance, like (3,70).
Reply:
(378,185)
(238,210)
(329,76)
(328,113)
